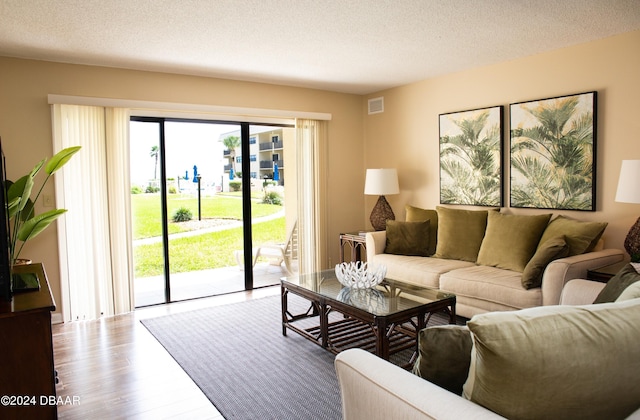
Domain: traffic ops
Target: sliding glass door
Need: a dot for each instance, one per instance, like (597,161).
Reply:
(200,191)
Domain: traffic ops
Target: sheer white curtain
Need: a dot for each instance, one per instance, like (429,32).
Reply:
(311,150)
(94,233)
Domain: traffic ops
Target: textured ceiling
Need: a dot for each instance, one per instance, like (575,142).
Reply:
(355,46)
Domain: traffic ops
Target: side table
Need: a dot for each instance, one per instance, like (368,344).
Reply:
(604,274)
(357,244)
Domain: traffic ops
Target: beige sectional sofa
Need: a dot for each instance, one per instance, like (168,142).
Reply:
(560,361)
(490,260)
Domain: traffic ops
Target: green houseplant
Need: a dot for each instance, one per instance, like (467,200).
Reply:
(24,224)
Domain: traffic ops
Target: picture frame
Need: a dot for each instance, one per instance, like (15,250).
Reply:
(471,156)
(553,153)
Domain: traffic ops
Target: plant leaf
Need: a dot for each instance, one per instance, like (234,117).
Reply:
(37,224)
(21,189)
(60,159)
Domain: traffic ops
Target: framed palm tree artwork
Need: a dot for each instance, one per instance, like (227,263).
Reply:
(553,143)
(471,157)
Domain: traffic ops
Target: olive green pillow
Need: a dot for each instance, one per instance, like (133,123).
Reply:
(444,354)
(551,250)
(407,238)
(617,284)
(460,233)
(511,240)
(580,236)
(557,361)
(416,214)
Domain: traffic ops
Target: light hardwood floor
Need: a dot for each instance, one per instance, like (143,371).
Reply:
(116,369)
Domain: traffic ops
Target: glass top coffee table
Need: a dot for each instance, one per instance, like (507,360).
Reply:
(384,320)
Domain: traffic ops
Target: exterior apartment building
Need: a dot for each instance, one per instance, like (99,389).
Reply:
(266,155)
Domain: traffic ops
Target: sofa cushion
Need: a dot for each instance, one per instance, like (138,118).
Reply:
(581,236)
(416,214)
(407,238)
(423,271)
(551,250)
(460,233)
(511,240)
(557,361)
(444,354)
(617,284)
(631,292)
(489,288)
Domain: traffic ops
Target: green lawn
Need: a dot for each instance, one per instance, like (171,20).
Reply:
(147,211)
(200,252)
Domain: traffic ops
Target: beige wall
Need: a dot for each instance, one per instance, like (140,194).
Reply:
(409,125)
(25,127)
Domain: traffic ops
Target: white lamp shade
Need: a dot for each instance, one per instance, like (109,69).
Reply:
(629,182)
(381,182)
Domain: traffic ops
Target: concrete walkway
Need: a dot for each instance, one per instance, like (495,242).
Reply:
(196,232)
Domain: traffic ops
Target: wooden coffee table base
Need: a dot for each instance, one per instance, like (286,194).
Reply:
(341,326)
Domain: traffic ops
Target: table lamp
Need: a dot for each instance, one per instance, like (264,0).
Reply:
(629,192)
(381,182)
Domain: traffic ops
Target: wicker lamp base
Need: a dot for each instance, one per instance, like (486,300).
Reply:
(381,213)
(632,242)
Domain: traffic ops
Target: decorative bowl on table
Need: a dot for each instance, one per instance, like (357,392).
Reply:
(360,275)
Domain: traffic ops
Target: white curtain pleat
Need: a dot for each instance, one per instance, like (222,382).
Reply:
(91,273)
(117,136)
(310,148)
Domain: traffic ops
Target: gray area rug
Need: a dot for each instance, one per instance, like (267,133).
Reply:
(239,358)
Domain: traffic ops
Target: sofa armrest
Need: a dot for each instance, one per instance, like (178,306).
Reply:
(376,242)
(580,292)
(372,388)
(560,271)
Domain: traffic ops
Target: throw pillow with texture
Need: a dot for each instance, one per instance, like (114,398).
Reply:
(511,240)
(416,214)
(551,250)
(617,284)
(444,354)
(557,362)
(407,238)
(460,233)
(581,236)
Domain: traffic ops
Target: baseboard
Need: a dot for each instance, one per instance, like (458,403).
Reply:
(56,318)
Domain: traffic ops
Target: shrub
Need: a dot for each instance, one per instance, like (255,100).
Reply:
(183,214)
(272,198)
(151,189)
(136,189)
(235,185)
(173,189)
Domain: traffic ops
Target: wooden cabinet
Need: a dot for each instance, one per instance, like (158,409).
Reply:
(28,378)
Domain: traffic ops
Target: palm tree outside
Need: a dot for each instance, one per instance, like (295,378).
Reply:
(232,143)
(154,154)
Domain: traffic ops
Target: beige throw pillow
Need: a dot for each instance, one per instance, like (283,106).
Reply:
(511,240)
(557,362)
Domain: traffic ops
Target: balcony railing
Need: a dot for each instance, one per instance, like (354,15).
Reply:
(271,146)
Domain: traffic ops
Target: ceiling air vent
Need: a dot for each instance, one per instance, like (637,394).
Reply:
(376,105)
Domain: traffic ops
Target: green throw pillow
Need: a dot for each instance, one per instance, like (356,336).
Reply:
(444,354)
(580,236)
(460,233)
(557,362)
(416,214)
(511,240)
(617,284)
(551,250)
(407,238)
